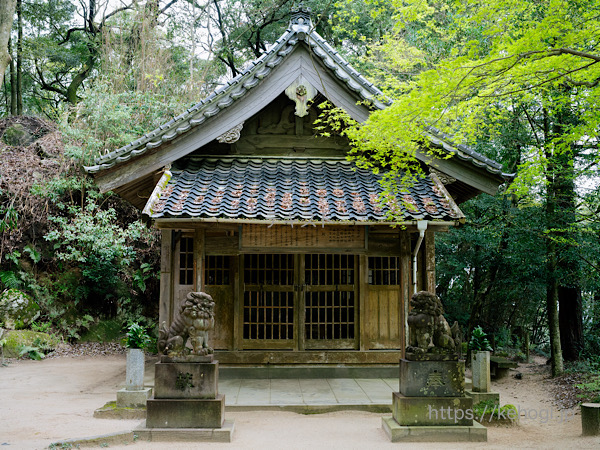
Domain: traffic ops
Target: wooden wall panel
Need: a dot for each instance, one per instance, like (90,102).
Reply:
(384,317)
(221,338)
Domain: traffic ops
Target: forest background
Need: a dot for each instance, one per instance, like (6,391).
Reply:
(517,80)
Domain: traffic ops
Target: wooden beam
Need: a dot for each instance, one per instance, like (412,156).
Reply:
(253,357)
(480,179)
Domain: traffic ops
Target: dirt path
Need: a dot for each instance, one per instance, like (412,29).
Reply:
(47,401)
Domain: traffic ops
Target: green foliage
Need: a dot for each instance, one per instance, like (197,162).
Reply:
(16,341)
(31,352)
(41,327)
(590,389)
(479,341)
(136,336)
(489,410)
(10,279)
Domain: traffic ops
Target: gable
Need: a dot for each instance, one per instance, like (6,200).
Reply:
(302,57)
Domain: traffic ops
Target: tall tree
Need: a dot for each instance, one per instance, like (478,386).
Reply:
(539,56)
(7,13)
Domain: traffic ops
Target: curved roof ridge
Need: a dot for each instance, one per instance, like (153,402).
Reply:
(300,30)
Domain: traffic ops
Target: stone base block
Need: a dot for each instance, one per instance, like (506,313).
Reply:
(479,397)
(432,378)
(402,433)
(432,411)
(184,380)
(188,413)
(223,434)
(590,419)
(133,399)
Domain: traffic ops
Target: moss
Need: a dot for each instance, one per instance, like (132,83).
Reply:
(16,135)
(15,340)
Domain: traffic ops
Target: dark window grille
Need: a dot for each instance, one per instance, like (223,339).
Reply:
(186,261)
(269,269)
(329,312)
(384,270)
(216,270)
(268,315)
(269,297)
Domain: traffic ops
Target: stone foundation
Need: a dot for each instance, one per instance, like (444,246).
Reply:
(186,413)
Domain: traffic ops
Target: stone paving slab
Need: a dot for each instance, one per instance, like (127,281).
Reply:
(304,394)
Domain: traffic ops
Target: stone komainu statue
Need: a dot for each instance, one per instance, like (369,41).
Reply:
(194,319)
(428,330)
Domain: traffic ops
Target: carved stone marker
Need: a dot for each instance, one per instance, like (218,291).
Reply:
(186,393)
(431,405)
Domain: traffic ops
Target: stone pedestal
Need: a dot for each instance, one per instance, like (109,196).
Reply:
(480,365)
(133,399)
(187,400)
(432,378)
(431,405)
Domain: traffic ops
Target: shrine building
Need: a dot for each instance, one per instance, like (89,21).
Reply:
(290,238)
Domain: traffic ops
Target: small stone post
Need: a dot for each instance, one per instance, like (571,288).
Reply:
(135,369)
(590,419)
(135,394)
(480,365)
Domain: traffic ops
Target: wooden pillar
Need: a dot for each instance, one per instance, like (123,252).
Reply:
(199,260)
(362,299)
(429,263)
(165,314)
(238,292)
(405,283)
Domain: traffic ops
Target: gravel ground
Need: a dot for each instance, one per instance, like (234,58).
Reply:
(54,399)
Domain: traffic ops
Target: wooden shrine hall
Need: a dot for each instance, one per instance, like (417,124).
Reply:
(291,240)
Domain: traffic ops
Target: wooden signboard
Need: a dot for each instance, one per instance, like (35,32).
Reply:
(286,236)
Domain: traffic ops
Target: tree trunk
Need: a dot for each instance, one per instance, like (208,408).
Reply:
(571,322)
(551,252)
(552,306)
(7,13)
(19,58)
(567,251)
(13,83)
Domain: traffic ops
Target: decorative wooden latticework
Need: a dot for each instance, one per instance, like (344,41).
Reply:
(268,298)
(330,298)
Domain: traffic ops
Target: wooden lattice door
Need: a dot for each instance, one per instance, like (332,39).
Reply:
(268,302)
(330,301)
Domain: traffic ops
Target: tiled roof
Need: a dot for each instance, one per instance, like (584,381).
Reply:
(465,153)
(300,30)
(292,189)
